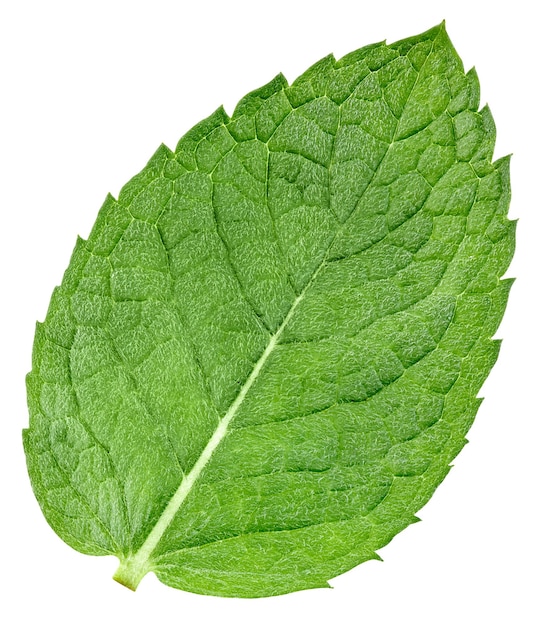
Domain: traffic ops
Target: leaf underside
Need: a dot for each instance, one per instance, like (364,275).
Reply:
(261,363)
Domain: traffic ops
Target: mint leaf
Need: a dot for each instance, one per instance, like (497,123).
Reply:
(263,360)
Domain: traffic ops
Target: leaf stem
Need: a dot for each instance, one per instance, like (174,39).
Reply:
(131,571)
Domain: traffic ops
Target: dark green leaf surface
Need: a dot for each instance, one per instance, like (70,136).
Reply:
(261,363)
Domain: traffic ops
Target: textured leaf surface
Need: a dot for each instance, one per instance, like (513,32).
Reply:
(261,363)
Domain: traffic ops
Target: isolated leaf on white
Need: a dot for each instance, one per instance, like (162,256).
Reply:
(263,360)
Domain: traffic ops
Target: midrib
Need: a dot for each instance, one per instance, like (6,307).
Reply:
(132,569)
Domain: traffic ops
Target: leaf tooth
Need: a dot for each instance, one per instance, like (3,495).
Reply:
(164,149)
(249,104)
(359,54)
(474,87)
(185,151)
(483,155)
(78,260)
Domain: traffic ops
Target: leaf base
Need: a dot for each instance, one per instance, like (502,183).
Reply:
(130,572)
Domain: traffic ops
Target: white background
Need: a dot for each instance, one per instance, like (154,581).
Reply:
(88,92)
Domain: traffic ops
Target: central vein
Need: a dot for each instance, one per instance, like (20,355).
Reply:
(132,569)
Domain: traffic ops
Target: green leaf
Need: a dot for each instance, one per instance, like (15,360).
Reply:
(263,360)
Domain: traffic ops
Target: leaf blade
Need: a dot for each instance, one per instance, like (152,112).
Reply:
(329,221)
